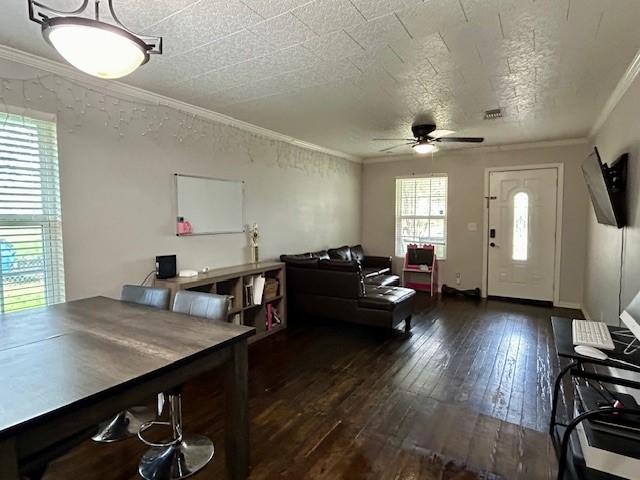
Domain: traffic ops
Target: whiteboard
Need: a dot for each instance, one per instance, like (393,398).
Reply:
(211,205)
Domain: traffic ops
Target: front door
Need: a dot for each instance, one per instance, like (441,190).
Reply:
(522,233)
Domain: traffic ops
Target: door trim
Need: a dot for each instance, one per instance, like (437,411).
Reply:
(559,209)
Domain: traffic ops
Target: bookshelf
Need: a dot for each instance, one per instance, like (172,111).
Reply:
(231,281)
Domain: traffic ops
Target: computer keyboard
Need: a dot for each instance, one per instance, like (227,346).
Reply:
(593,334)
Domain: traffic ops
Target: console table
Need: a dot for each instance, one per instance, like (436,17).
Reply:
(563,434)
(230,281)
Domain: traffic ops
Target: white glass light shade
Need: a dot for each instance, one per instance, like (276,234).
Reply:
(423,148)
(96,48)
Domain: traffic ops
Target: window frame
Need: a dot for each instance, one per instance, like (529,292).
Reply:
(440,247)
(49,222)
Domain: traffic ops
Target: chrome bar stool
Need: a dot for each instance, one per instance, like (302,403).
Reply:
(127,423)
(182,455)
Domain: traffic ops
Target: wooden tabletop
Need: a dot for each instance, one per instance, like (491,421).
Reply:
(53,357)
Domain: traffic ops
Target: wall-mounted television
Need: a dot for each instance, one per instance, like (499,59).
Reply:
(606,185)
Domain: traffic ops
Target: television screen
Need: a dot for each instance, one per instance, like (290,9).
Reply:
(420,256)
(608,202)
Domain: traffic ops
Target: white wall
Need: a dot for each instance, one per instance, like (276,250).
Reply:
(118,198)
(466,205)
(619,134)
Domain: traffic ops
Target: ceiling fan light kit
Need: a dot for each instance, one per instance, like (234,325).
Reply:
(425,147)
(95,47)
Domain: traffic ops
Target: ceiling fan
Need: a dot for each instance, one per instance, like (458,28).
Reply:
(425,138)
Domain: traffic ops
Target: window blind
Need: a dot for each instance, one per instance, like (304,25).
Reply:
(31,258)
(421,213)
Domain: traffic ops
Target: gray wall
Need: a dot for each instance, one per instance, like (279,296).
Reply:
(619,134)
(466,204)
(118,198)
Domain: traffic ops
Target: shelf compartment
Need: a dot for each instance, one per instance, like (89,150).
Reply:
(233,288)
(206,288)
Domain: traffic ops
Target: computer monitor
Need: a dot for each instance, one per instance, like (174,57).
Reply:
(631,318)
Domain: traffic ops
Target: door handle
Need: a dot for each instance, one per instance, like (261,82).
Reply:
(492,244)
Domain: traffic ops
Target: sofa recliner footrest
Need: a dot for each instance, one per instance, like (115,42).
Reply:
(385,298)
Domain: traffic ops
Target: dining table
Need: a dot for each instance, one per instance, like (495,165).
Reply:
(65,368)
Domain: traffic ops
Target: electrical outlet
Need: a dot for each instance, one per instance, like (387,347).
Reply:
(458,275)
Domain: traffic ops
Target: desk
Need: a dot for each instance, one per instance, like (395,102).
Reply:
(563,336)
(65,368)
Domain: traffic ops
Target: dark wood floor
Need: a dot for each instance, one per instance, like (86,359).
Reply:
(471,383)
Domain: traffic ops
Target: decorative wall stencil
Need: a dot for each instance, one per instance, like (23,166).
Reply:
(123,117)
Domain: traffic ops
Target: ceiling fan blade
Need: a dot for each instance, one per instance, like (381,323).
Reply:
(393,139)
(440,133)
(459,139)
(396,146)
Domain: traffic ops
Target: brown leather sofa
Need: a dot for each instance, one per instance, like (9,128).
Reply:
(344,284)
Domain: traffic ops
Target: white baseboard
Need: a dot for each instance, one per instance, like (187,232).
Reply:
(575,306)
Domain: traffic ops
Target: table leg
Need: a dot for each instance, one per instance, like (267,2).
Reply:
(237,412)
(8,460)
(556,393)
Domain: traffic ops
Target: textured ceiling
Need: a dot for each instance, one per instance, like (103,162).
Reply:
(340,72)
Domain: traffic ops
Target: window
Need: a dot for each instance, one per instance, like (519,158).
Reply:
(421,213)
(31,262)
(520,226)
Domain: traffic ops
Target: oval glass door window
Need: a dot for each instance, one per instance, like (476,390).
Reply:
(520,226)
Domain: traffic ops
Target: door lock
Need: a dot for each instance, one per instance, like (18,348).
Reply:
(492,244)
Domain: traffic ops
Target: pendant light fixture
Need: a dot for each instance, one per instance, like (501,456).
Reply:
(100,49)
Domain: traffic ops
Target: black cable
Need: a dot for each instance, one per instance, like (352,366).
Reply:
(147,278)
(624,229)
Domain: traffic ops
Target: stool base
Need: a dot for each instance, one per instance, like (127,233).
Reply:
(177,461)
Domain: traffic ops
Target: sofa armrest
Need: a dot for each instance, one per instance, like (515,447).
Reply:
(376,262)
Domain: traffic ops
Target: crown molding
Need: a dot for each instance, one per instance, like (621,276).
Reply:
(119,88)
(478,150)
(623,85)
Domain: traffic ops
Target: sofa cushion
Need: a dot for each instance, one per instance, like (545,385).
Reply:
(320,255)
(383,280)
(357,253)
(303,263)
(299,261)
(340,253)
(339,265)
(297,256)
(385,298)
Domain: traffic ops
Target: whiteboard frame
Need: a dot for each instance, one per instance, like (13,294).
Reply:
(244,216)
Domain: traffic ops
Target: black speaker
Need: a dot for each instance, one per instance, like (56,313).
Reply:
(166,266)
